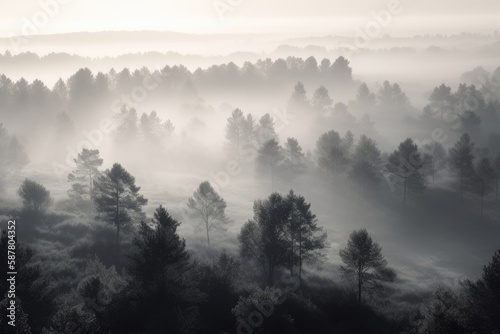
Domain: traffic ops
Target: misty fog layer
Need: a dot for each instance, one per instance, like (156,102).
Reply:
(185,180)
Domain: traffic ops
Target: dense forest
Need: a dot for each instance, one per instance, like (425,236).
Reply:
(280,196)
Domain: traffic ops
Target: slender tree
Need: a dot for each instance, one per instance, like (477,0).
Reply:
(306,238)
(365,100)
(298,100)
(264,130)
(484,178)
(235,133)
(461,159)
(321,99)
(264,240)
(364,263)
(341,71)
(436,158)
(207,205)
(269,157)
(13,156)
(332,157)
(117,198)
(294,161)
(496,167)
(407,163)
(87,170)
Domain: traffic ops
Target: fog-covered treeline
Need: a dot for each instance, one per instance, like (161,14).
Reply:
(168,200)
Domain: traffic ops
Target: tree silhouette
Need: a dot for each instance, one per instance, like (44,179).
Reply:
(341,71)
(321,100)
(294,161)
(162,296)
(324,67)
(263,240)
(392,98)
(366,161)
(207,205)
(87,170)
(436,160)
(306,237)
(461,158)
(407,163)
(81,88)
(36,198)
(269,157)
(117,198)
(60,95)
(496,167)
(365,100)
(283,234)
(347,142)
(442,100)
(127,130)
(239,133)
(264,130)
(331,156)
(154,131)
(13,155)
(298,101)
(484,178)
(364,263)
(160,252)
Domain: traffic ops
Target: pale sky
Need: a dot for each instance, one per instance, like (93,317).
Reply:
(259,16)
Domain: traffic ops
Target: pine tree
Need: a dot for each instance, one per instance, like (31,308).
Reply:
(86,172)
(294,161)
(269,157)
(484,178)
(364,263)
(332,157)
(306,237)
(407,163)
(462,162)
(162,297)
(117,198)
(207,205)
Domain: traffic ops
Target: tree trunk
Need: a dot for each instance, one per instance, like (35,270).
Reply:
(482,201)
(272,179)
(118,239)
(300,259)
(208,235)
(333,181)
(359,290)
(117,223)
(291,264)
(90,184)
(461,183)
(404,190)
